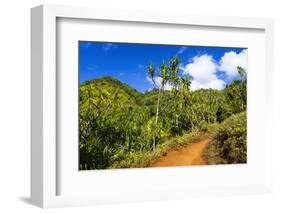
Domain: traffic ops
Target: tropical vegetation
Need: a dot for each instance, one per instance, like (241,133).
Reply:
(120,127)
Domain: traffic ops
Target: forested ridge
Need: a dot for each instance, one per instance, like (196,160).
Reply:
(123,128)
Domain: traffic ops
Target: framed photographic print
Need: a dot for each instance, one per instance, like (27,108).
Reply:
(130,106)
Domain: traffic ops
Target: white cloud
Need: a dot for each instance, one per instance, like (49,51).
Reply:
(203,71)
(181,50)
(149,80)
(108,46)
(202,68)
(158,81)
(213,84)
(230,61)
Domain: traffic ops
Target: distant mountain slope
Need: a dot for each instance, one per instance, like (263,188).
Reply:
(111,84)
(207,104)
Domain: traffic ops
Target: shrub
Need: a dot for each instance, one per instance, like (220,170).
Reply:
(203,126)
(229,144)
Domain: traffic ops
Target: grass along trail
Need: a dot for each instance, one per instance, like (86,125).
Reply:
(190,154)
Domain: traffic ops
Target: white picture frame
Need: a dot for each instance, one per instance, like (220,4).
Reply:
(44,154)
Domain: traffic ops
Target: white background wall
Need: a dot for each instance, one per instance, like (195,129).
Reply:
(15,105)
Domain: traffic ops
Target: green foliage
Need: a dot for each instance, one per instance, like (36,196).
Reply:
(229,144)
(236,93)
(121,128)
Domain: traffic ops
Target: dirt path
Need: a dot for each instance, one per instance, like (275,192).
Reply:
(189,155)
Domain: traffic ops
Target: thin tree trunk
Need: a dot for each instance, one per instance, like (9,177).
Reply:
(129,143)
(217,108)
(192,125)
(193,113)
(177,123)
(241,92)
(157,107)
(156,117)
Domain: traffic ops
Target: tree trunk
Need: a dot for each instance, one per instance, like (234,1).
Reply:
(192,125)
(129,143)
(156,117)
(177,123)
(194,114)
(241,92)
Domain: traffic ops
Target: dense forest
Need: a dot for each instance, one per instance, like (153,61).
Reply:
(123,128)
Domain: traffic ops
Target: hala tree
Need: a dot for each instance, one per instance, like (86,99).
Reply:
(237,92)
(243,81)
(182,97)
(167,74)
(163,76)
(180,87)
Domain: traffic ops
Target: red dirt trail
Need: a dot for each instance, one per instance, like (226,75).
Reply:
(190,154)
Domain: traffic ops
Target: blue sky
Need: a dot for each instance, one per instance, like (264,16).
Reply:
(207,67)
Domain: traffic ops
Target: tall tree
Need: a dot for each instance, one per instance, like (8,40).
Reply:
(242,73)
(168,73)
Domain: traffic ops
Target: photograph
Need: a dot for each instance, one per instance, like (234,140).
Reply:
(147,105)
